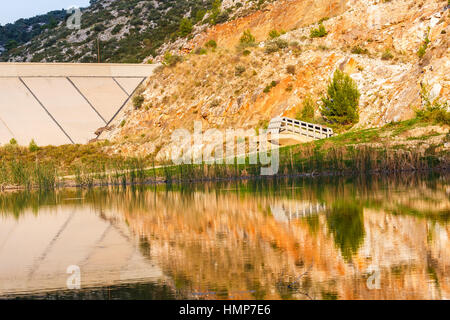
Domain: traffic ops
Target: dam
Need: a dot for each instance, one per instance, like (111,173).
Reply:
(63,103)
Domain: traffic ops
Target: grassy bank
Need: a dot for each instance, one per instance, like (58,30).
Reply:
(380,150)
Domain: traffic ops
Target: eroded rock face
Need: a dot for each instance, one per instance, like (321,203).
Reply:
(389,73)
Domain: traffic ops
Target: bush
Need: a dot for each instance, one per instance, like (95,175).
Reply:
(200,51)
(275,45)
(340,105)
(33,147)
(247,39)
(290,69)
(138,100)
(239,70)
(308,111)
(99,27)
(13,142)
(117,28)
(359,50)
(423,48)
(211,44)
(199,15)
(273,84)
(435,110)
(387,55)
(318,32)
(185,27)
(171,59)
(274,34)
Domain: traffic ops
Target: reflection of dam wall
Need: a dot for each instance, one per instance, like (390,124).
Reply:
(100,245)
(63,103)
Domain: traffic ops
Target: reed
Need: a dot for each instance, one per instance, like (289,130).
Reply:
(44,176)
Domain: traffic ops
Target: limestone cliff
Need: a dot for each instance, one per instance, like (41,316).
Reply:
(376,42)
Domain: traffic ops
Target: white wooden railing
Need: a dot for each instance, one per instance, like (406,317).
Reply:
(311,130)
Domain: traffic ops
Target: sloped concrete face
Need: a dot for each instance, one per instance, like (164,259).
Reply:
(103,93)
(5,135)
(24,117)
(129,84)
(69,109)
(56,104)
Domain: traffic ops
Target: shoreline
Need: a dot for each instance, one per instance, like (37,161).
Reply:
(162,181)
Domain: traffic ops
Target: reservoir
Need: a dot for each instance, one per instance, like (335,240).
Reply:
(321,238)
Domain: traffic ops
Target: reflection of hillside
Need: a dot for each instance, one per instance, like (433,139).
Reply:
(224,242)
(254,240)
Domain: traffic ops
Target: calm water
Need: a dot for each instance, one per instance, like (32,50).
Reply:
(291,239)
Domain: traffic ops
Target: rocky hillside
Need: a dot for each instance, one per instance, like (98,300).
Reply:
(126,30)
(397,51)
(23,30)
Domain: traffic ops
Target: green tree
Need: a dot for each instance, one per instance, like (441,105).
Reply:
(340,104)
(33,146)
(199,15)
(215,11)
(308,110)
(52,23)
(11,44)
(185,27)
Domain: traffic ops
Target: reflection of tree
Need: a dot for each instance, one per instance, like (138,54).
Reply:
(346,222)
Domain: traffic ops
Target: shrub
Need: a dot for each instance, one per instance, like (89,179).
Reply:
(435,110)
(275,45)
(117,28)
(423,48)
(99,27)
(239,70)
(340,104)
(308,110)
(33,147)
(199,15)
(138,100)
(290,69)
(122,124)
(171,59)
(212,44)
(185,27)
(200,51)
(318,32)
(270,86)
(359,50)
(247,39)
(13,142)
(274,34)
(387,55)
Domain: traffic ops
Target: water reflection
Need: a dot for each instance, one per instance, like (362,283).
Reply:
(272,239)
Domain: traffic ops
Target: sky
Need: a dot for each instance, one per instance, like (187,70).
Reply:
(12,10)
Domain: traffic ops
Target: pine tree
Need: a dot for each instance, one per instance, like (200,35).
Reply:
(340,105)
(185,27)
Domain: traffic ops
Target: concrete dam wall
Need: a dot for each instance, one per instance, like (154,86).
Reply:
(63,103)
